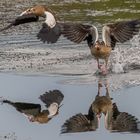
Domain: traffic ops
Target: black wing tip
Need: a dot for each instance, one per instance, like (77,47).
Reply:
(21,20)
(52,96)
(54,92)
(25,19)
(7,27)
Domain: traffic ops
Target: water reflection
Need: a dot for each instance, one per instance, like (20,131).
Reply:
(115,121)
(52,101)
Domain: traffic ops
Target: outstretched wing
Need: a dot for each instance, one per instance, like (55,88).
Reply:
(81,123)
(77,123)
(22,20)
(120,32)
(49,35)
(26,108)
(123,122)
(53,96)
(126,122)
(79,32)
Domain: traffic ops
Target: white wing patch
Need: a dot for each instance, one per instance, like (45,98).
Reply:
(106,35)
(96,33)
(52,109)
(50,19)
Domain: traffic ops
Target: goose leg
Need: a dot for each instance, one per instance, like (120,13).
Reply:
(102,68)
(106,62)
(99,87)
(98,64)
(107,88)
(105,69)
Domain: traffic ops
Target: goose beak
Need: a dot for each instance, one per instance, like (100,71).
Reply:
(24,13)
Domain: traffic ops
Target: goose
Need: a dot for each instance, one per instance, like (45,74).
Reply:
(51,28)
(33,112)
(115,121)
(112,33)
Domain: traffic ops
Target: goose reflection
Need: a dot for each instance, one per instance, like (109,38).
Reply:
(115,121)
(52,101)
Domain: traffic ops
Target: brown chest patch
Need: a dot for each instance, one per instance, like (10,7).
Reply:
(101,52)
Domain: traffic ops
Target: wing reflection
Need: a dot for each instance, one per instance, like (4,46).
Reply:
(81,123)
(52,100)
(115,121)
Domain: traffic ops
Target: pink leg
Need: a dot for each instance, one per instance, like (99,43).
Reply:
(102,68)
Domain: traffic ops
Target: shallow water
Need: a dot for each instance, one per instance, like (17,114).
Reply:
(77,99)
(51,65)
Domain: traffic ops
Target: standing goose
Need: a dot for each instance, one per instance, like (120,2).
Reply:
(111,34)
(115,121)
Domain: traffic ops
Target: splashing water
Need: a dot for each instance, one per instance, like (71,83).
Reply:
(127,57)
(122,60)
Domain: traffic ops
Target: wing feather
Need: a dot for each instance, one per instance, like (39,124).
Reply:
(120,32)
(77,123)
(49,35)
(123,121)
(54,96)
(81,123)
(79,32)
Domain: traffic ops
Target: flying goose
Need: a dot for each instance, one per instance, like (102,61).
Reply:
(51,29)
(52,100)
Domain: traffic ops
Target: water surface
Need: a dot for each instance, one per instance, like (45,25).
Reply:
(79,90)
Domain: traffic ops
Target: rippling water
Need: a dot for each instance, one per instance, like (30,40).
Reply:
(79,91)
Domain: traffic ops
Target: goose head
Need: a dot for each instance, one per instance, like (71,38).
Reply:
(42,11)
(38,10)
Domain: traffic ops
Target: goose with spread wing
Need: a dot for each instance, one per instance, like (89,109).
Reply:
(115,121)
(52,100)
(111,34)
(51,28)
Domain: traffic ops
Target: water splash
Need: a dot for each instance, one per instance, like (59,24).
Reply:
(126,57)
